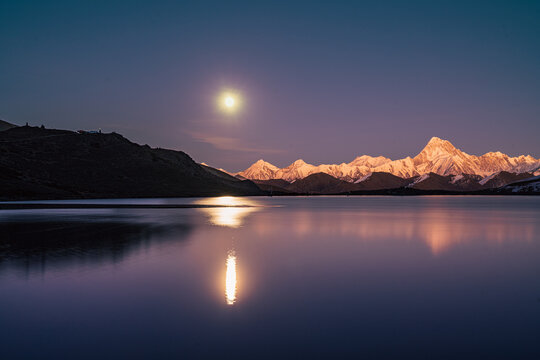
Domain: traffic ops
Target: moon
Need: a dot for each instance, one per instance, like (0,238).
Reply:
(229,102)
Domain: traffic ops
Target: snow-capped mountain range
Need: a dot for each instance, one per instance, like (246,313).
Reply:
(438,156)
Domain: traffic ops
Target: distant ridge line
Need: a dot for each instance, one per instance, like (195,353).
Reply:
(438,156)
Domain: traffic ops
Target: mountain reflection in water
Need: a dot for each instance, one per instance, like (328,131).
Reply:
(439,229)
(33,247)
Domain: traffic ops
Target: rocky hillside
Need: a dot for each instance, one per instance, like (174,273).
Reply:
(321,183)
(4,125)
(526,186)
(39,163)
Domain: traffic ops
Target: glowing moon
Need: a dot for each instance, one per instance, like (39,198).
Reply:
(229,101)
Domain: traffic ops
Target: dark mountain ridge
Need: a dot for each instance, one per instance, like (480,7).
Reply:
(432,181)
(503,178)
(274,186)
(322,183)
(381,180)
(37,163)
(4,125)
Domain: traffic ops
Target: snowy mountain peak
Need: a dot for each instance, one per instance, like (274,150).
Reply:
(436,140)
(439,156)
(436,144)
(261,162)
(298,162)
(496,154)
(260,170)
(369,161)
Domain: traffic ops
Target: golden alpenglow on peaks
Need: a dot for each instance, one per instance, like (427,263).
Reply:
(439,156)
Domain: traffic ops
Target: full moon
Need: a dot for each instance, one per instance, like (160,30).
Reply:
(229,101)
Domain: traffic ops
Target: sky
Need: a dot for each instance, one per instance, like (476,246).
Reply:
(324,81)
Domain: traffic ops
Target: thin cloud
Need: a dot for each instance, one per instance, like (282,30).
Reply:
(230,143)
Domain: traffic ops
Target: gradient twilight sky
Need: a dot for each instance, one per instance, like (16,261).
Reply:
(325,81)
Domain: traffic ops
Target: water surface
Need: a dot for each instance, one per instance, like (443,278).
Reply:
(379,277)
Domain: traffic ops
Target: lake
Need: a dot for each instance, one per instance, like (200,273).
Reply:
(439,277)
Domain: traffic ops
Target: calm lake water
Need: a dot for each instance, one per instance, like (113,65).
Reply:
(306,277)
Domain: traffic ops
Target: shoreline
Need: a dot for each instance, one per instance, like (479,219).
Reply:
(26,204)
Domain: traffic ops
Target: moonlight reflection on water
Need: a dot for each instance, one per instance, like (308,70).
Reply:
(230,278)
(232,212)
